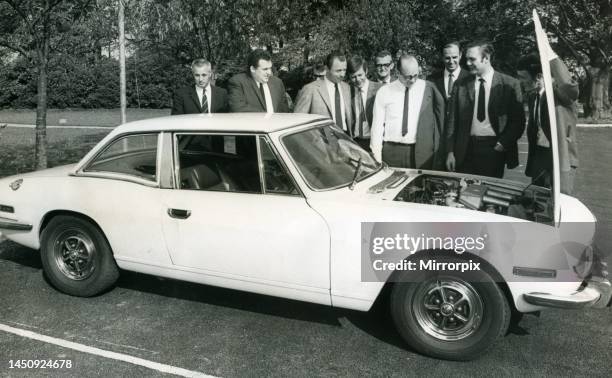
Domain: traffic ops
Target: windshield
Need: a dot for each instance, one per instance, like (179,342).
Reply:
(327,158)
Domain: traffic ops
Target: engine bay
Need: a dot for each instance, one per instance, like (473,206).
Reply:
(532,203)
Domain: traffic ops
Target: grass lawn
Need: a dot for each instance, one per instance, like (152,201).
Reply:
(65,146)
(79,117)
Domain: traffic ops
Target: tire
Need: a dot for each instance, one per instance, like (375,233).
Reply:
(419,310)
(76,257)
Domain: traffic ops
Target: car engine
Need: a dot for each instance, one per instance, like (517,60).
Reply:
(531,203)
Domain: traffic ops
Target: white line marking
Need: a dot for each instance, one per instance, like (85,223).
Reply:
(81,337)
(22,126)
(104,353)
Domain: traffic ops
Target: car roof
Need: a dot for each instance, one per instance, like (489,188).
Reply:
(234,122)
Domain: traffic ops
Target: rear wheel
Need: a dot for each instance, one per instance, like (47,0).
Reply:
(76,257)
(444,316)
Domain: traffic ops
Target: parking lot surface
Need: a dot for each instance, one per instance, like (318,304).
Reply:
(165,324)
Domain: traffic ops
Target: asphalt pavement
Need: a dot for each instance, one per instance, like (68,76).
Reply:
(147,326)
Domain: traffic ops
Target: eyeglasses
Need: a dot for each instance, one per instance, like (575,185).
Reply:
(383,65)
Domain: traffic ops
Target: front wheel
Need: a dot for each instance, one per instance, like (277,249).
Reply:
(444,316)
(76,257)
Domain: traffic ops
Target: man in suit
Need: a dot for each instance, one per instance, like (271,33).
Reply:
(257,90)
(485,118)
(539,159)
(408,120)
(451,55)
(384,67)
(363,93)
(331,96)
(204,97)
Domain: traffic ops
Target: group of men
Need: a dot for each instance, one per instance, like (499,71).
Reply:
(466,120)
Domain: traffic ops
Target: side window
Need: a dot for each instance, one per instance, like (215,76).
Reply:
(276,179)
(218,162)
(134,155)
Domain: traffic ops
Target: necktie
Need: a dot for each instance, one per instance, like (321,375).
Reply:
(361,117)
(450,84)
(337,106)
(480,113)
(204,102)
(536,111)
(405,114)
(263,96)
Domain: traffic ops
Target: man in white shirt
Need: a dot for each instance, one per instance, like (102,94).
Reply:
(363,93)
(203,97)
(408,120)
(485,118)
(331,96)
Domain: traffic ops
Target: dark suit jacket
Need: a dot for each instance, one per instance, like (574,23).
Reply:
(185,101)
(566,94)
(429,147)
(373,87)
(244,95)
(438,80)
(505,113)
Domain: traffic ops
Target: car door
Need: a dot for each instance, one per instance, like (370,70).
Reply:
(236,213)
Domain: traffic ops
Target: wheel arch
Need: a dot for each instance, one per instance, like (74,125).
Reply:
(488,267)
(55,213)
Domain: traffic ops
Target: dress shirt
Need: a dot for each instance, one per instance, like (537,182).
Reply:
(388,112)
(200,92)
(483,128)
(364,97)
(542,140)
(331,89)
(268,98)
(456,74)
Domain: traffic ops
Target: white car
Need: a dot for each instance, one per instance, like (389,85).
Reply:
(287,205)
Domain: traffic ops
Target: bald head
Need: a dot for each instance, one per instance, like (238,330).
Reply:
(408,68)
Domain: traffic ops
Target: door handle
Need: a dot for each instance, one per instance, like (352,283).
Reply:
(179,213)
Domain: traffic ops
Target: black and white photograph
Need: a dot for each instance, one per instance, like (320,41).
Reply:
(323,188)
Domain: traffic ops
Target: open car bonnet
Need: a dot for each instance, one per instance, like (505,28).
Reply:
(542,41)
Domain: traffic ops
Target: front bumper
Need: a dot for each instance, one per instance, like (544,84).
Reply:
(597,293)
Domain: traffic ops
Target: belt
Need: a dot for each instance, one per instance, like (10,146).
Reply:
(542,148)
(484,137)
(399,144)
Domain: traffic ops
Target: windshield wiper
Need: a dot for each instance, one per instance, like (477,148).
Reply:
(357,170)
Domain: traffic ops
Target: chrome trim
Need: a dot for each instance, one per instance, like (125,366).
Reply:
(534,272)
(260,167)
(597,294)
(14,225)
(165,161)
(118,177)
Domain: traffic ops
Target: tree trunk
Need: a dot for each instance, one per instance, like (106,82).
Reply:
(40,154)
(122,84)
(598,102)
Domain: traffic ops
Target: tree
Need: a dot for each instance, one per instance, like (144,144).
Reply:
(583,31)
(31,28)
